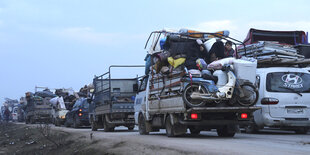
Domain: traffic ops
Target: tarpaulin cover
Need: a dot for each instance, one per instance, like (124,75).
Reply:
(285,37)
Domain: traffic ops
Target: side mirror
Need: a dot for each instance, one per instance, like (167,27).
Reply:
(135,87)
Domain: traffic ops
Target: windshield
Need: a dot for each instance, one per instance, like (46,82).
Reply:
(85,104)
(288,82)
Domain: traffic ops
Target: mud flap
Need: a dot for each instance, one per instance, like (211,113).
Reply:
(179,129)
(148,126)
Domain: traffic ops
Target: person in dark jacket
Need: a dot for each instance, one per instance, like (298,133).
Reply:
(7,114)
(229,51)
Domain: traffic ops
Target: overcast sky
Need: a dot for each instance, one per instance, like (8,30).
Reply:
(64,43)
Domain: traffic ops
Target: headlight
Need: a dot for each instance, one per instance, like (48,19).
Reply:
(63,117)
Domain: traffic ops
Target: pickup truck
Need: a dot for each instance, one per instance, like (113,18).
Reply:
(112,102)
(162,98)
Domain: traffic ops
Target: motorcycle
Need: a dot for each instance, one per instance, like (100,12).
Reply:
(200,91)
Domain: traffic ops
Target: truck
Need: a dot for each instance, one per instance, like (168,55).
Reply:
(39,108)
(112,101)
(59,110)
(172,97)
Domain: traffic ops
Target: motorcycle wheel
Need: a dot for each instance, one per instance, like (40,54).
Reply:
(189,89)
(250,94)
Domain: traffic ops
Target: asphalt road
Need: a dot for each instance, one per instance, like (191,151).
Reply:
(130,142)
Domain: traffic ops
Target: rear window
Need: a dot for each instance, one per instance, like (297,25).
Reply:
(288,82)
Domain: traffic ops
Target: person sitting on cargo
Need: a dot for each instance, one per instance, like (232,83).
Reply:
(229,51)
(195,51)
(216,52)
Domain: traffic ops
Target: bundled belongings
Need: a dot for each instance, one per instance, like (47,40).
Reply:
(274,48)
(273,53)
(184,57)
(45,93)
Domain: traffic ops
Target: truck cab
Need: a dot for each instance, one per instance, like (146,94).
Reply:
(59,110)
(284,99)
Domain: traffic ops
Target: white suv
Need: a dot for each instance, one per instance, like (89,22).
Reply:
(284,95)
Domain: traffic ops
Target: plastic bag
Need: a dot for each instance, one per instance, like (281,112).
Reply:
(201,64)
(176,62)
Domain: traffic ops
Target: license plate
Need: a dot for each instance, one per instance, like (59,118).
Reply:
(295,111)
(130,116)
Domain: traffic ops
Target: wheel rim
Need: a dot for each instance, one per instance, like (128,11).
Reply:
(188,92)
(250,96)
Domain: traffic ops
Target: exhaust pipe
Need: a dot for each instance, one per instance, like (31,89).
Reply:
(196,95)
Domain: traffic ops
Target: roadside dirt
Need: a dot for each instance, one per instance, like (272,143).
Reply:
(41,139)
(46,139)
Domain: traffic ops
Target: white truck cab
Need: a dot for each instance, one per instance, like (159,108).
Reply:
(284,96)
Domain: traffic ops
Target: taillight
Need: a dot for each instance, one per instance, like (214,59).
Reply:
(244,115)
(80,114)
(80,110)
(269,100)
(194,116)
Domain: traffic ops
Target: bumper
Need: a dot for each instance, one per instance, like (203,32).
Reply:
(214,122)
(285,122)
(223,109)
(43,117)
(217,116)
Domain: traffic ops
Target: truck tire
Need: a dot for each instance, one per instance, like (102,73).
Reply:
(251,128)
(249,90)
(189,89)
(75,123)
(130,128)
(142,125)
(301,130)
(194,131)
(225,131)
(170,128)
(27,120)
(56,122)
(32,121)
(94,126)
(107,127)
(67,124)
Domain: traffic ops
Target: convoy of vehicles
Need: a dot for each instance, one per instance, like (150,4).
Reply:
(271,90)
(112,102)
